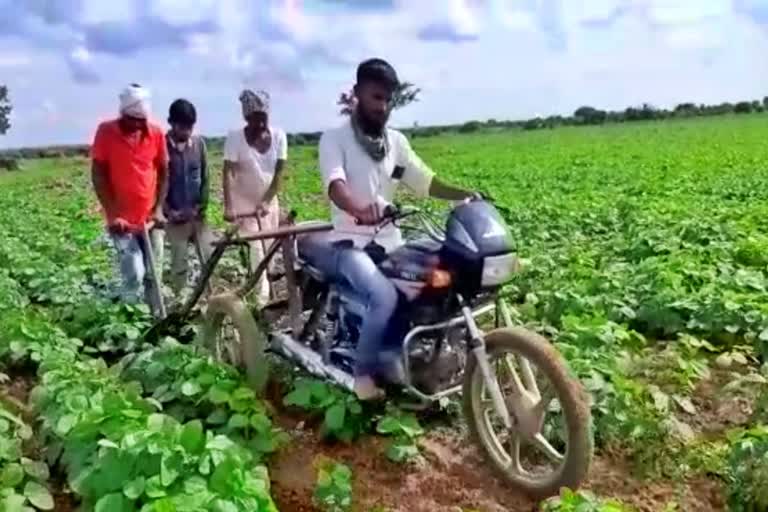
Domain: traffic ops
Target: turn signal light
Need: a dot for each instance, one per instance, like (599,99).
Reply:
(438,278)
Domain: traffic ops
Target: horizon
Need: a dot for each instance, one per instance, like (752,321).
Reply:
(66,61)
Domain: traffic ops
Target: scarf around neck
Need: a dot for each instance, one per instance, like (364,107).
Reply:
(376,147)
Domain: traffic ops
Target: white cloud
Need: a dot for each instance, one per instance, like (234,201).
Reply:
(101,11)
(671,12)
(14,60)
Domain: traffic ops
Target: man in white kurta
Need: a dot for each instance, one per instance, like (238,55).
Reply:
(254,159)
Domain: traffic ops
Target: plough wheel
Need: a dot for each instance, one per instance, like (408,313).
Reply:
(233,336)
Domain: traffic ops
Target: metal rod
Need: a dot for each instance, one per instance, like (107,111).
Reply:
(153,271)
(207,272)
(295,305)
(253,279)
(199,250)
(279,233)
(310,360)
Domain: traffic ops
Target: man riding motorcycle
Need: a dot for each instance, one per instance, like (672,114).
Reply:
(362,163)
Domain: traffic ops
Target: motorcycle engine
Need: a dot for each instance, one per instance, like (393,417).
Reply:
(438,360)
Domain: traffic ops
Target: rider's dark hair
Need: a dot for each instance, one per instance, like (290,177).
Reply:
(379,71)
(182,112)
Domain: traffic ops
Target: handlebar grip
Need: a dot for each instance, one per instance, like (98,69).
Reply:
(389,212)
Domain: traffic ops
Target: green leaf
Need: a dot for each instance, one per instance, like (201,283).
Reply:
(217,417)
(388,425)
(192,437)
(261,423)
(300,397)
(195,485)
(410,426)
(154,488)
(224,506)
(238,421)
(218,396)
(65,424)
(401,450)
(134,488)
(14,503)
(38,495)
(334,417)
(224,477)
(114,502)
(205,465)
(155,422)
(190,388)
(154,369)
(170,468)
(35,469)
(12,475)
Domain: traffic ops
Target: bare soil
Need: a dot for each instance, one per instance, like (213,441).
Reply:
(718,411)
(451,476)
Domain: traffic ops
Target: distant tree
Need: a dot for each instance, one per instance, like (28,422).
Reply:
(5,110)
(553,121)
(756,106)
(765,103)
(404,95)
(533,124)
(470,126)
(589,115)
(686,109)
(743,107)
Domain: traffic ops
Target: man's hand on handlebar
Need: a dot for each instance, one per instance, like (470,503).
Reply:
(369,215)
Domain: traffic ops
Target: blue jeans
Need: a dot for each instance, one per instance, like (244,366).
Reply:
(132,262)
(353,271)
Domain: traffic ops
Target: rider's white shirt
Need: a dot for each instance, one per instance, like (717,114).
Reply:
(342,158)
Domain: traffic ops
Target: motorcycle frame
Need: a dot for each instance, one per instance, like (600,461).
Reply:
(287,342)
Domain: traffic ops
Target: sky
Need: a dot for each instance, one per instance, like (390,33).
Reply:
(65,61)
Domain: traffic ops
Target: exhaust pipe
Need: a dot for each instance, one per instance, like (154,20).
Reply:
(310,360)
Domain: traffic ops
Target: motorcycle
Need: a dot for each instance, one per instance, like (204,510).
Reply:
(512,381)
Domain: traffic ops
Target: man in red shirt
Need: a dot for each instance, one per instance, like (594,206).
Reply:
(129,173)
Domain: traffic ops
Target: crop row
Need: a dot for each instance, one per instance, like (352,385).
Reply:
(118,450)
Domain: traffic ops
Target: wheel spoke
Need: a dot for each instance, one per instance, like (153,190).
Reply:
(542,405)
(528,377)
(514,455)
(516,382)
(486,405)
(546,447)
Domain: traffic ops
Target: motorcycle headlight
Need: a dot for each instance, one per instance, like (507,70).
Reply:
(497,270)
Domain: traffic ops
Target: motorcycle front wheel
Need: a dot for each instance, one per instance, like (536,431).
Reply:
(550,443)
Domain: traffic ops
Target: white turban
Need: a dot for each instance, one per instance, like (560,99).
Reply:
(134,102)
(254,102)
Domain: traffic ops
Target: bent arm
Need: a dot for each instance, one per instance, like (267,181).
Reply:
(422,181)
(162,185)
(442,190)
(102,187)
(344,199)
(276,184)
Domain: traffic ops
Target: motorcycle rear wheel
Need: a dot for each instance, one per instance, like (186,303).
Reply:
(529,350)
(232,335)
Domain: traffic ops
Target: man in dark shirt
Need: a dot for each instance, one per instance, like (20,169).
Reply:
(187,200)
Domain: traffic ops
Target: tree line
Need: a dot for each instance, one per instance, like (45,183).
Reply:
(408,93)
